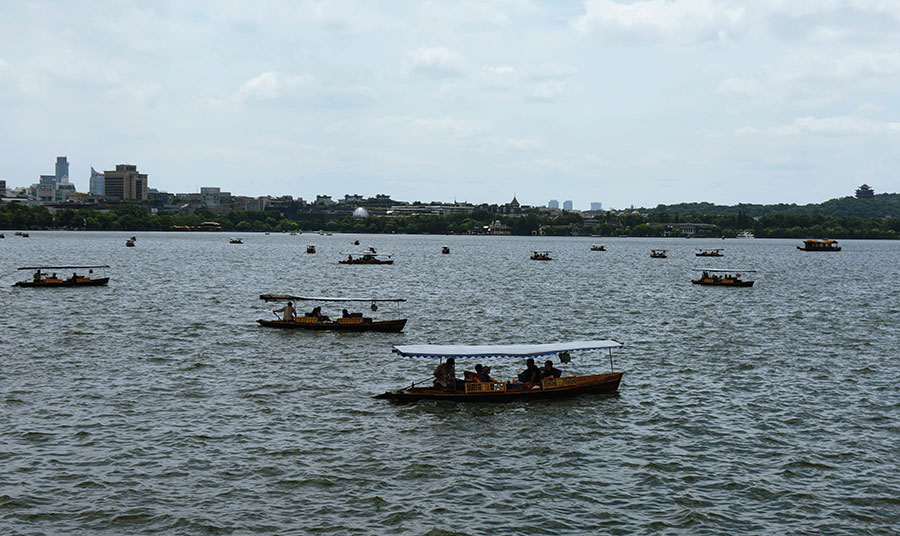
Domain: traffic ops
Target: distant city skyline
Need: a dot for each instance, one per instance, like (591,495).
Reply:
(638,103)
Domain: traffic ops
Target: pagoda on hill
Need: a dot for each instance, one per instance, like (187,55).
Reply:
(864,192)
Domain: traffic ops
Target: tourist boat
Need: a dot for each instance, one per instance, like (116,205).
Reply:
(24,235)
(723,278)
(310,249)
(819,245)
(541,256)
(598,248)
(658,253)
(367,257)
(709,253)
(129,243)
(500,391)
(445,250)
(745,234)
(348,322)
(236,241)
(1,235)
(42,278)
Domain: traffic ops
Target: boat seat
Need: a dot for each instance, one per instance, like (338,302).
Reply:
(485,387)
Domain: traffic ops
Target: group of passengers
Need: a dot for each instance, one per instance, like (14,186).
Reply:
(289,314)
(531,377)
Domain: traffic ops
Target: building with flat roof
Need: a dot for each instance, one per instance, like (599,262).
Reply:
(125,183)
(553,204)
(62,170)
(596,205)
(567,204)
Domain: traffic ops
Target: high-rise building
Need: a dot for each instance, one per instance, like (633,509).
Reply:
(567,204)
(62,170)
(2,188)
(125,183)
(97,184)
(553,204)
(596,205)
(210,196)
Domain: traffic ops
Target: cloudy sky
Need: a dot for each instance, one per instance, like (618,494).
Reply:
(621,102)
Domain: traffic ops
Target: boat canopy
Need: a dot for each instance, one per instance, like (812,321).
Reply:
(721,270)
(61,267)
(501,350)
(287,297)
(366,254)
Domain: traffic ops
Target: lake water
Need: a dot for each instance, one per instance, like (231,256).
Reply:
(157,405)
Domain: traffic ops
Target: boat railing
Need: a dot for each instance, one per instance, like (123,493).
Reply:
(485,387)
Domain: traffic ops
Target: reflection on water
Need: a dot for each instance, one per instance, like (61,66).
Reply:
(158,405)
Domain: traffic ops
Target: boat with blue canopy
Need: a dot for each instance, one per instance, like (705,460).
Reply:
(471,389)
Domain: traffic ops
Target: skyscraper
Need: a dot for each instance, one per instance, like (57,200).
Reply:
(62,171)
(553,204)
(567,204)
(125,183)
(97,182)
(596,205)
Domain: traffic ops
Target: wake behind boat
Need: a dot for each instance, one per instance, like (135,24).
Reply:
(46,276)
(317,320)
(550,386)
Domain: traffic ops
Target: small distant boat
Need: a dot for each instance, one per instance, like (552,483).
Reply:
(658,253)
(367,257)
(445,250)
(1,235)
(315,320)
(745,234)
(129,243)
(293,234)
(24,235)
(356,242)
(598,248)
(310,249)
(236,241)
(541,256)
(819,245)
(723,278)
(499,391)
(709,253)
(41,279)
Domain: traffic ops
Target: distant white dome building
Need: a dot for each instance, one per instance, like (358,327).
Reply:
(360,213)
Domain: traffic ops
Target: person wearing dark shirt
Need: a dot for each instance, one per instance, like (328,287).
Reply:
(531,374)
(549,371)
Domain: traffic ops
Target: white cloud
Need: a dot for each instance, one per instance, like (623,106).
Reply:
(270,85)
(678,20)
(548,91)
(493,145)
(739,86)
(435,62)
(844,125)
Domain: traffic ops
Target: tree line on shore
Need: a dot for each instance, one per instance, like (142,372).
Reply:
(772,225)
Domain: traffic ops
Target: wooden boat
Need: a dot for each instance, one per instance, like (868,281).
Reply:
(367,257)
(819,245)
(1,235)
(723,278)
(541,256)
(347,322)
(310,249)
(499,391)
(598,248)
(129,243)
(40,279)
(445,250)
(236,241)
(709,253)
(658,253)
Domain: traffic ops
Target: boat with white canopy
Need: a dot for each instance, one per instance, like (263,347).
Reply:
(507,391)
(316,320)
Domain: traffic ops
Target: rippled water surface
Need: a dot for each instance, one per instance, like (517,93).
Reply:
(157,405)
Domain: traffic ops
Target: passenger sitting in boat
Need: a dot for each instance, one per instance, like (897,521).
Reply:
(445,375)
(531,375)
(37,276)
(345,314)
(288,312)
(74,277)
(481,373)
(549,371)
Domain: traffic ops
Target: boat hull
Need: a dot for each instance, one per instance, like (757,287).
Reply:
(578,385)
(100,281)
(728,283)
(804,248)
(388,326)
(360,261)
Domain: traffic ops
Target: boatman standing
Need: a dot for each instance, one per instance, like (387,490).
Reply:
(287,311)
(445,375)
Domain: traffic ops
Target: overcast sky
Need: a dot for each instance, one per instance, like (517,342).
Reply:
(639,102)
